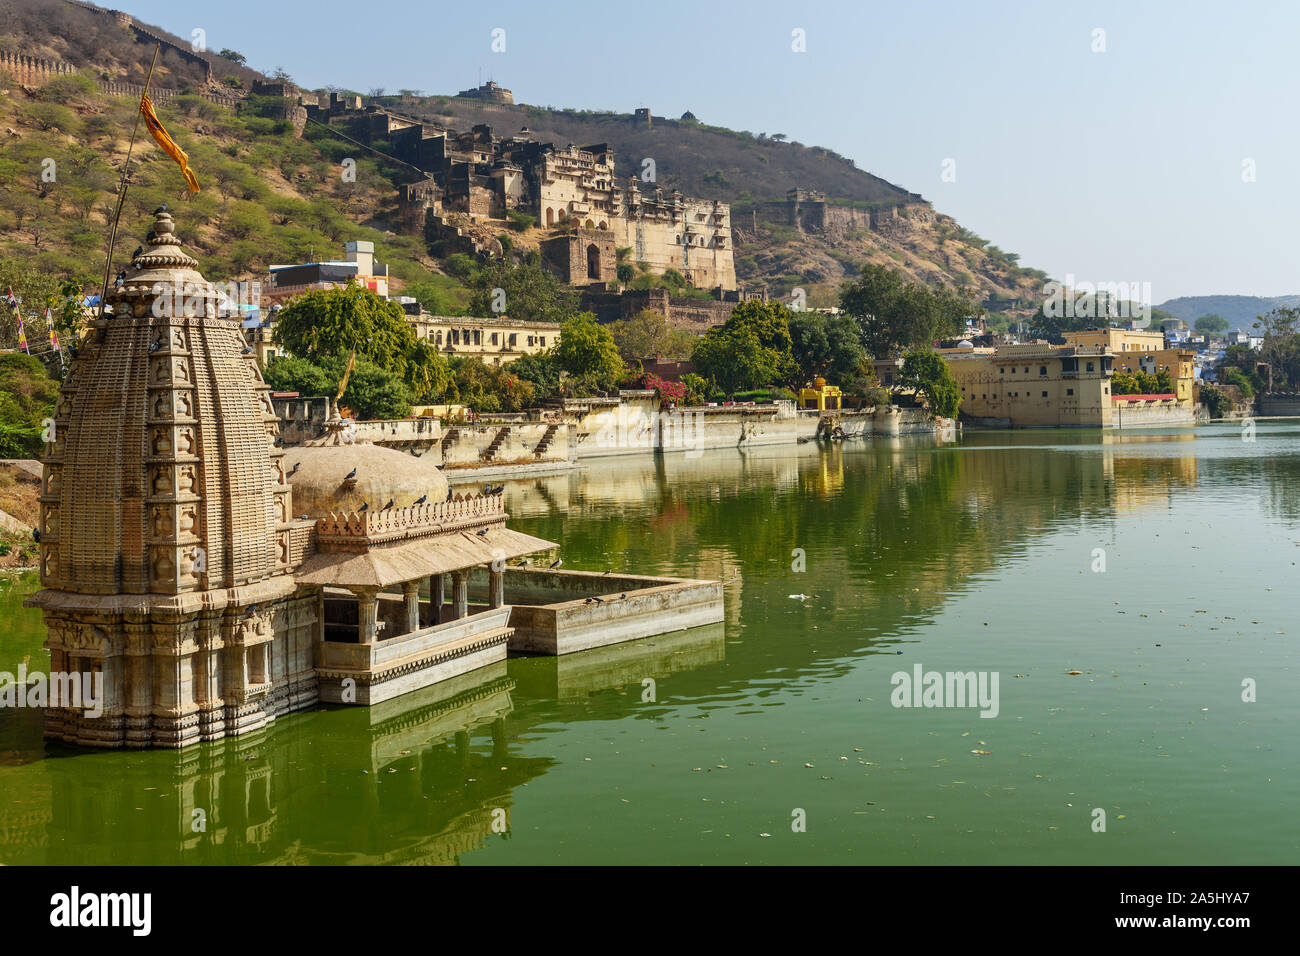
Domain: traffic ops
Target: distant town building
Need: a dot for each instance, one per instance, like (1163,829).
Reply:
(489,92)
(1034,385)
(1143,351)
(359,266)
(497,341)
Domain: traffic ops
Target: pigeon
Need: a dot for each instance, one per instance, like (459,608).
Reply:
(389,505)
(155,346)
(252,609)
(422,499)
(36,534)
(351,474)
(248,350)
(138,250)
(160,209)
(523,563)
(365,506)
(607,570)
(500,488)
(417,454)
(294,469)
(598,600)
(481,532)
(449,494)
(487,489)
(588,600)
(556,563)
(622,596)
(303,517)
(279,443)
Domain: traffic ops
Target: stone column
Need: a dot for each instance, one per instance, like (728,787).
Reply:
(496,586)
(367,614)
(437,595)
(459,594)
(411,596)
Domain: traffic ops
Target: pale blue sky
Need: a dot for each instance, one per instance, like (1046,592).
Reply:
(1123,165)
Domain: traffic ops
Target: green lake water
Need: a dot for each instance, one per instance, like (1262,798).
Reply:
(972,556)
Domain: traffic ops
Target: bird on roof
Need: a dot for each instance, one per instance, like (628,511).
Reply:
(623,595)
(481,532)
(421,500)
(607,571)
(351,474)
(487,489)
(416,454)
(499,488)
(523,563)
(162,208)
(247,350)
(556,563)
(449,494)
(119,279)
(365,506)
(389,505)
(597,600)
(587,600)
(154,346)
(138,250)
(36,534)
(294,469)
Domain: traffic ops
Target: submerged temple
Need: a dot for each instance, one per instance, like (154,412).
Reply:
(176,563)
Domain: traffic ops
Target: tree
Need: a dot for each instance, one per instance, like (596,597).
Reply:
(771,324)
(648,334)
(540,369)
(527,292)
(27,396)
(337,322)
(288,374)
(1281,346)
(427,372)
(375,392)
(1211,322)
(894,314)
(826,345)
(733,358)
(233,57)
(586,351)
(931,376)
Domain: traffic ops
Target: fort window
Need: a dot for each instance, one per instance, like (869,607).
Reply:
(593,261)
(1091,366)
(1044,394)
(1069,391)
(513,337)
(550,216)
(494,338)
(1042,370)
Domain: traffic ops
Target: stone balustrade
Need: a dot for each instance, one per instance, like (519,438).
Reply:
(356,530)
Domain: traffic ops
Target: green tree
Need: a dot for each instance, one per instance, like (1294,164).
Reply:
(528,293)
(931,376)
(647,334)
(894,314)
(826,345)
(289,374)
(233,57)
(1211,322)
(734,359)
(586,351)
(375,392)
(1281,346)
(770,322)
(540,369)
(337,322)
(27,396)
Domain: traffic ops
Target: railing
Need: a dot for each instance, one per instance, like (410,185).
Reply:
(354,530)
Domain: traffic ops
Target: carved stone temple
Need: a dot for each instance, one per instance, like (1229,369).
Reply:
(217,580)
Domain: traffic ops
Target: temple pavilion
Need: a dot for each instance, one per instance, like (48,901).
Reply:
(217,580)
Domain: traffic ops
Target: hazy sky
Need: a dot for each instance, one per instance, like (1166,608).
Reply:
(1122,165)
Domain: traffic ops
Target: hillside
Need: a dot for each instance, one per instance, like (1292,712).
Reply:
(271,197)
(1241,311)
(749,170)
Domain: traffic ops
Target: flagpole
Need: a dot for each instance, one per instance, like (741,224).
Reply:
(121,189)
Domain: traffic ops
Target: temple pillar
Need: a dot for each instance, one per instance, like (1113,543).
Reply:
(496,586)
(367,614)
(411,596)
(437,594)
(459,594)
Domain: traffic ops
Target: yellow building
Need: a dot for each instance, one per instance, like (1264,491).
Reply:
(1034,385)
(496,341)
(821,396)
(1143,351)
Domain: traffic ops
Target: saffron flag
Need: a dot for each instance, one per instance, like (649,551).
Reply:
(166,143)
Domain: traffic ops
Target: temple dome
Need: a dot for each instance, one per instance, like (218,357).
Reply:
(318,475)
(163,477)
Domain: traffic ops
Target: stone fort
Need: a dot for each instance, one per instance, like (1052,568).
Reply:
(573,190)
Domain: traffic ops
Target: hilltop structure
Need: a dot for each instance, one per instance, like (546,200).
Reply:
(573,190)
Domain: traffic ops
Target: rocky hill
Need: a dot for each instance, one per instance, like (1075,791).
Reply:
(272,197)
(1241,311)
